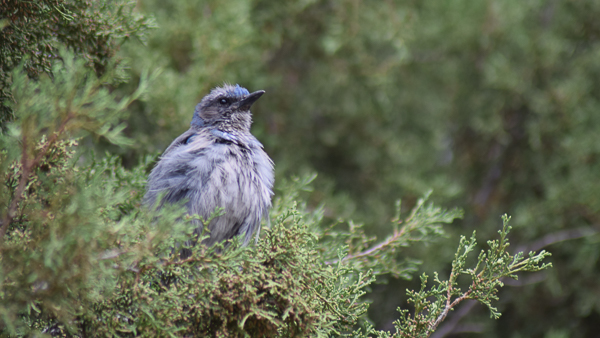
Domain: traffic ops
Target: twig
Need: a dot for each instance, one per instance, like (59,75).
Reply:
(26,167)
(449,307)
(370,251)
(377,247)
(449,325)
(409,226)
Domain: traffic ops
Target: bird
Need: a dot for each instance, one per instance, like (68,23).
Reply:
(217,163)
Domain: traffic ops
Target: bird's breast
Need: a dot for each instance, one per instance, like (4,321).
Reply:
(232,177)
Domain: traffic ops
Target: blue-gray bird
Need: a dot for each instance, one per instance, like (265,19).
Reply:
(218,163)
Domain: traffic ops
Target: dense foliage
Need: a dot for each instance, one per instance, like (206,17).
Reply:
(31,32)
(492,104)
(81,257)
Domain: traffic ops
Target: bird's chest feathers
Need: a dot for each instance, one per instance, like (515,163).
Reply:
(222,164)
(230,176)
(227,158)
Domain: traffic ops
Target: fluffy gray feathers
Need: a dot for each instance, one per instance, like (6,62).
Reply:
(217,163)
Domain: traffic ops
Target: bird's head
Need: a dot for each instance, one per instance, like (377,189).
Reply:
(226,108)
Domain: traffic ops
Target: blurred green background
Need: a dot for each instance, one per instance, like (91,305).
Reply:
(492,104)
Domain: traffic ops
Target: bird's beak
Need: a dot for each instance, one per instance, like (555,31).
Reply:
(247,102)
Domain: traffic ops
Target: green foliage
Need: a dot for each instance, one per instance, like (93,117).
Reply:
(491,104)
(486,277)
(45,199)
(103,268)
(81,256)
(278,288)
(424,224)
(31,33)
(80,106)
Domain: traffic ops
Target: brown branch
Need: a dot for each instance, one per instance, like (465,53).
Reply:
(449,307)
(26,168)
(452,323)
(377,247)
(408,227)
(12,209)
(370,251)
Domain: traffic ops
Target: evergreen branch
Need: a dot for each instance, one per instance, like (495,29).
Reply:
(451,324)
(449,307)
(492,266)
(423,220)
(396,236)
(26,169)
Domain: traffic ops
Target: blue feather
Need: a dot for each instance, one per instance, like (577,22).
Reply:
(238,91)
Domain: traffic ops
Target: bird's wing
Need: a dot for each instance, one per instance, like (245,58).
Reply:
(170,175)
(185,138)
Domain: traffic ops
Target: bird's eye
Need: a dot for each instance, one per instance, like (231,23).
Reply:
(223,101)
